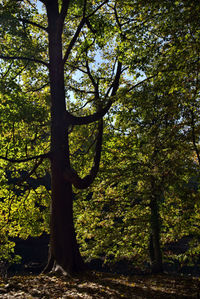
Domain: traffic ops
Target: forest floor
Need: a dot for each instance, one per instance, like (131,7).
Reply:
(99,285)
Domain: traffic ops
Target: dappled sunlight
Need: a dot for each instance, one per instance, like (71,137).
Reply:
(99,285)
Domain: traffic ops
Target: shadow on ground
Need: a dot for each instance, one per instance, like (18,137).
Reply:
(99,285)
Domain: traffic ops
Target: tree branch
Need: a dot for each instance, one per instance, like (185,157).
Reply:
(74,39)
(72,176)
(43,1)
(92,13)
(141,82)
(42,156)
(95,84)
(32,23)
(64,9)
(8,70)
(117,20)
(76,89)
(90,26)
(115,84)
(37,89)
(80,26)
(23,179)
(84,120)
(24,58)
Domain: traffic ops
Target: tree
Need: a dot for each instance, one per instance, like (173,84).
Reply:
(77,33)
(171,67)
(165,153)
(142,199)
(158,132)
(68,48)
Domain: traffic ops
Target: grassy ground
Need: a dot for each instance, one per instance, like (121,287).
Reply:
(99,285)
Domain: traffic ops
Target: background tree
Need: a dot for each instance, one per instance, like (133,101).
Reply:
(156,140)
(147,165)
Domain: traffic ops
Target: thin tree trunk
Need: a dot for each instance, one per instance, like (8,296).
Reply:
(154,243)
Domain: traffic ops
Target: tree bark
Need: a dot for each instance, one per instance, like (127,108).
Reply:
(64,252)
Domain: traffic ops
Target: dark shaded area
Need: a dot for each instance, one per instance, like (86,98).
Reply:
(34,254)
(178,247)
(32,183)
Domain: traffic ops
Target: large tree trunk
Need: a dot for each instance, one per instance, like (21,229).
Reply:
(64,252)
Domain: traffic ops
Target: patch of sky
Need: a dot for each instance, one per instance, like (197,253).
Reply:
(40,6)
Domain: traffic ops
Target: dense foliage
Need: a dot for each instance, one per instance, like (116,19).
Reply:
(146,194)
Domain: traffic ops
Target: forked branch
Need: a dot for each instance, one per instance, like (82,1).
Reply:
(82,183)
(84,120)
(84,20)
